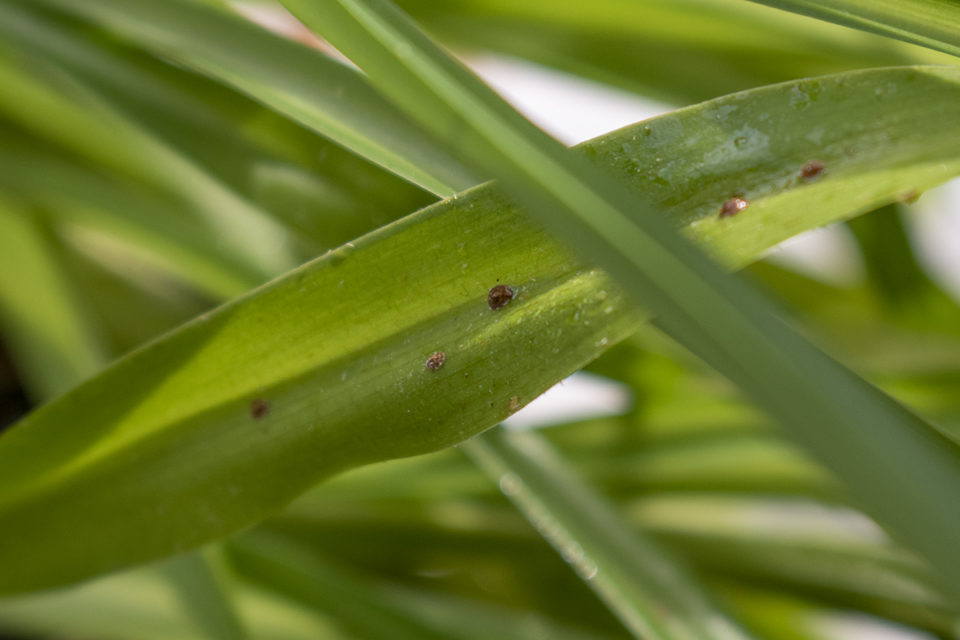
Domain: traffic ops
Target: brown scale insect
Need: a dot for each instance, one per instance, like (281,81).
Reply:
(436,361)
(514,403)
(259,408)
(812,170)
(499,296)
(733,206)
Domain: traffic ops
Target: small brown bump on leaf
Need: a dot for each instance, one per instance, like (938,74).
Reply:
(499,296)
(909,197)
(436,361)
(514,403)
(733,206)
(259,408)
(812,170)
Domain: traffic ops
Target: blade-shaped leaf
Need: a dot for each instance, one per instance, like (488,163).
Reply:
(647,589)
(46,326)
(161,226)
(140,605)
(373,609)
(801,545)
(297,81)
(843,421)
(680,51)
(324,369)
(44,100)
(58,348)
(931,23)
(202,584)
(308,183)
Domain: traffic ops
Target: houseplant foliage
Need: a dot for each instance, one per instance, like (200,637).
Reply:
(227,257)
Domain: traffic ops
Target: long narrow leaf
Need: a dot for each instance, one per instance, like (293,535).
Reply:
(161,226)
(642,585)
(370,609)
(310,184)
(61,348)
(139,605)
(201,585)
(302,83)
(46,101)
(931,23)
(661,48)
(843,421)
(47,329)
(833,553)
(324,369)
(284,567)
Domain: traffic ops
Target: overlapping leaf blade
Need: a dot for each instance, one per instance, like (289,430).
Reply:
(321,190)
(56,344)
(301,83)
(842,420)
(931,23)
(649,592)
(680,51)
(337,351)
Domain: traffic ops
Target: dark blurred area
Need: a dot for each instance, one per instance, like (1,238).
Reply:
(13,401)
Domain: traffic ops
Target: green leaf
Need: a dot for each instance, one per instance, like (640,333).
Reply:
(301,576)
(297,81)
(820,549)
(283,346)
(843,421)
(371,609)
(45,325)
(776,616)
(139,605)
(58,359)
(648,590)
(161,227)
(202,585)
(931,23)
(46,101)
(310,184)
(336,349)
(747,45)
(828,552)
(891,265)
(128,314)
